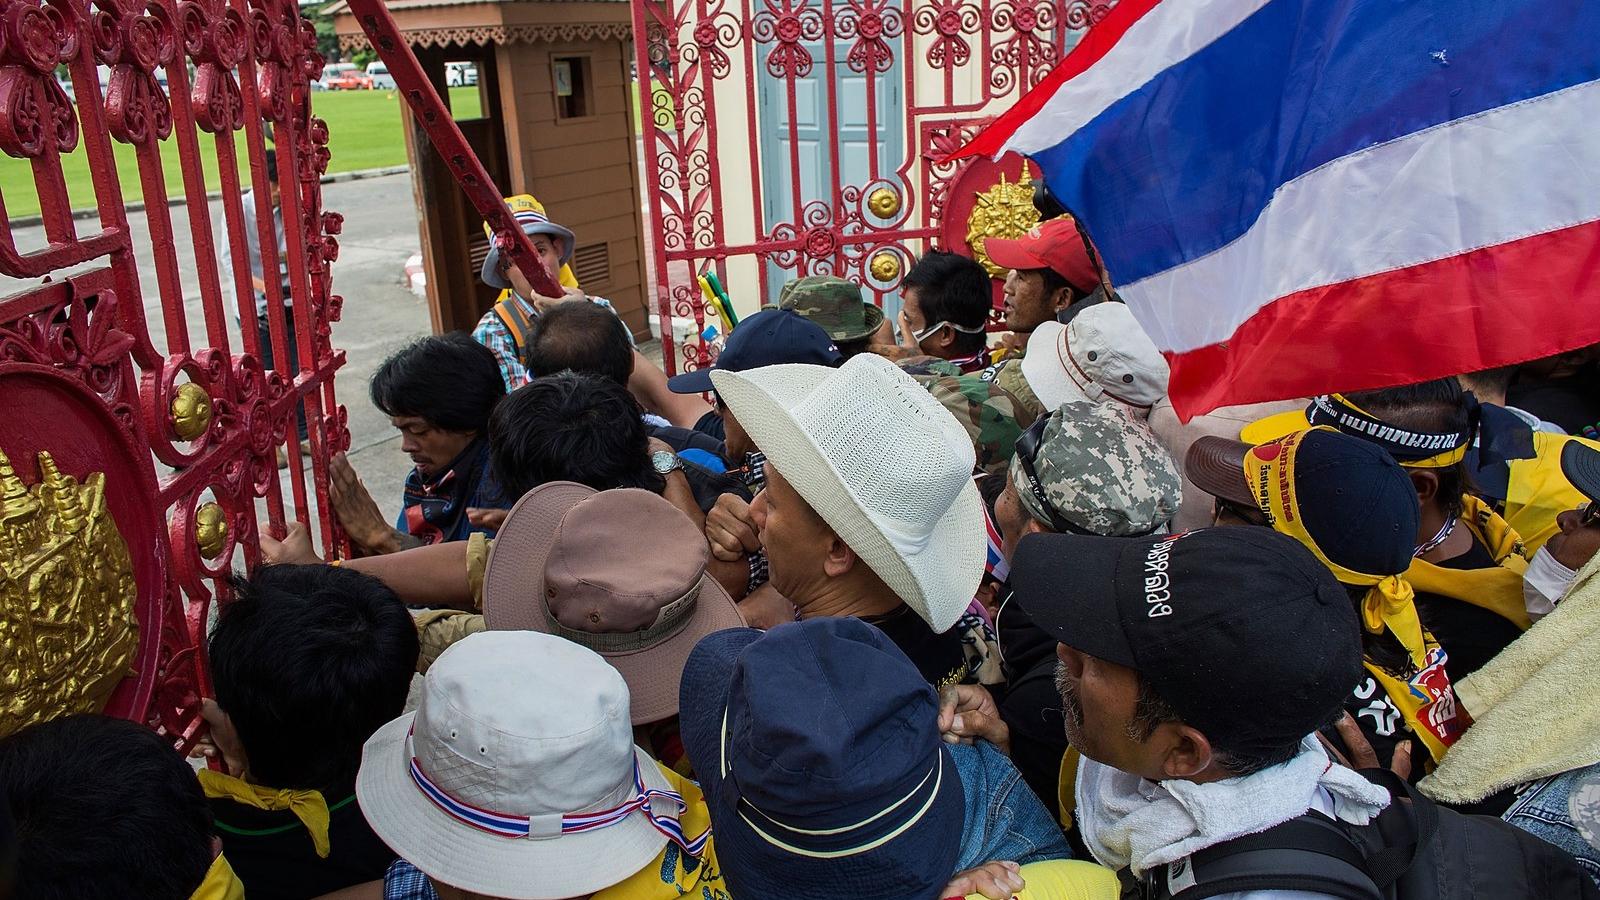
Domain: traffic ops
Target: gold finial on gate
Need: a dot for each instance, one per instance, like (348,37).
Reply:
(883,202)
(210,530)
(1003,211)
(191,411)
(885,266)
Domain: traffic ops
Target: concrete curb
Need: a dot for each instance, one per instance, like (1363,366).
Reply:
(138,205)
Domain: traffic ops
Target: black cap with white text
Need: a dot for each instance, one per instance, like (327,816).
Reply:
(1240,630)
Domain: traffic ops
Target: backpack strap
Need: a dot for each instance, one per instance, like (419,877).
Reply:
(517,323)
(1310,853)
(1408,814)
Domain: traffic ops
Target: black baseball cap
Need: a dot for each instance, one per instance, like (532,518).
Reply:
(1352,498)
(1240,630)
(768,338)
(1580,463)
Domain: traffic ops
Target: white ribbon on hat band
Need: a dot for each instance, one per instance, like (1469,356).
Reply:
(515,826)
(936,774)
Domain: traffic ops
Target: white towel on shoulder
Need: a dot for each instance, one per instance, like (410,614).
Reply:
(1130,822)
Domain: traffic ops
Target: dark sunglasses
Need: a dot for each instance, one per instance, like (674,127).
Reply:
(1027,452)
(1591,515)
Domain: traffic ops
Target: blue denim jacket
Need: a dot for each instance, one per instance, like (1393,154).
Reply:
(1004,820)
(1564,810)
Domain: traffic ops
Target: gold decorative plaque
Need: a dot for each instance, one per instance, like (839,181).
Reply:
(191,411)
(1003,211)
(885,266)
(68,634)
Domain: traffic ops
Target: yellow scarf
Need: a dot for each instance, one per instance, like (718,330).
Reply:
(220,883)
(1498,588)
(1422,693)
(674,873)
(308,806)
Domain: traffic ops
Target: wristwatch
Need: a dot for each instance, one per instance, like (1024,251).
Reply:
(665,462)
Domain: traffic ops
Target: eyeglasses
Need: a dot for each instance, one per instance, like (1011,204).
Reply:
(1590,516)
(1027,452)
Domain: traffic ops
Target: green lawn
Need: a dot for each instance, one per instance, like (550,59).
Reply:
(363,127)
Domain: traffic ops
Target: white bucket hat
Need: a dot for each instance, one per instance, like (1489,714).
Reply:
(883,463)
(519,761)
(1102,354)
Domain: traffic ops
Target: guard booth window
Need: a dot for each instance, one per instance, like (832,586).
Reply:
(573,87)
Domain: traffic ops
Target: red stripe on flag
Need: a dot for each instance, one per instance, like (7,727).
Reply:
(1497,306)
(1102,36)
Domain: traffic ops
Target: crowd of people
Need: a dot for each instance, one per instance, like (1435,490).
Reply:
(885,608)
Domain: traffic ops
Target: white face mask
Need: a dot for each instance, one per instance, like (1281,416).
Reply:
(1544,584)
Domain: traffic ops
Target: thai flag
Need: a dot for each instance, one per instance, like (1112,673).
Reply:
(1304,196)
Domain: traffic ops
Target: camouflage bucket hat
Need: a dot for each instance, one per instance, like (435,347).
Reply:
(1101,471)
(992,418)
(833,304)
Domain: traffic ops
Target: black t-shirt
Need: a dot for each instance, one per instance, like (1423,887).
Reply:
(1030,704)
(1470,635)
(273,856)
(1572,402)
(939,657)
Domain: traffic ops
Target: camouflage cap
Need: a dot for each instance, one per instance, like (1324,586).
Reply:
(1102,471)
(992,418)
(833,304)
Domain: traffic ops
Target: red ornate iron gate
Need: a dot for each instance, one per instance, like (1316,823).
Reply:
(135,452)
(723,81)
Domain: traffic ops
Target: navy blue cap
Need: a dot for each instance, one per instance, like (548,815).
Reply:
(768,338)
(1580,463)
(818,747)
(1354,500)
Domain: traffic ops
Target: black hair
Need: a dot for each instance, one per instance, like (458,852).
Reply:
(103,808)
(449,381)
(1381,648)
(1438,406)
(1055,281)
(311,653)
(1150,711)
(269,159)
(1491,382)
(952,288)
(571,427)
(990,487)
(580,337)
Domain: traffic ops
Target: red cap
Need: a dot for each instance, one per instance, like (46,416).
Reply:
(1056,245)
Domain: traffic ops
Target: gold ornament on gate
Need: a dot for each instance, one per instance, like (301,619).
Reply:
(68,633)
(191,411)
(883,202)
(1004,211)
(210,530)
(885,266)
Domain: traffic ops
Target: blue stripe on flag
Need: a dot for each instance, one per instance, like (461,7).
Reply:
(1186,164)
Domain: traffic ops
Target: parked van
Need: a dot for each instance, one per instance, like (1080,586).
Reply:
(379,74)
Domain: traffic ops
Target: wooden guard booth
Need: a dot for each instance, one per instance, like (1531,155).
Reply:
(554,84)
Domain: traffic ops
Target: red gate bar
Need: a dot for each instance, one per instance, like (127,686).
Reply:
(441,129)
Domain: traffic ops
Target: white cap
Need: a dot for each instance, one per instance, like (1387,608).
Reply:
(1101,355)
(515,731)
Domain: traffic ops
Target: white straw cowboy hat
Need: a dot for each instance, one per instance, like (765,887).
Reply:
(882,462)
(517,775)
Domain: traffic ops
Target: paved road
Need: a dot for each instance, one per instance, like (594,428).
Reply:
(380,312)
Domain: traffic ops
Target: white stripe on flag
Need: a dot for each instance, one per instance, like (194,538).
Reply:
(1167,35)
(1499,176)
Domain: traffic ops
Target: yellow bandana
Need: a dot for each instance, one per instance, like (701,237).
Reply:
(220,883)
(1422,693)
(308,806)
(1498,588)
